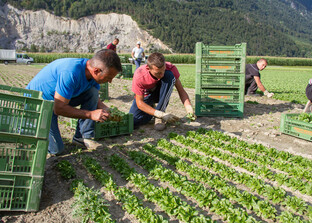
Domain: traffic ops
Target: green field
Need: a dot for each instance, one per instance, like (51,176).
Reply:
(287,83)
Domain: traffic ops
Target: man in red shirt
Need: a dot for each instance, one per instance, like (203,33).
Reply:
(112,46)
(153,83)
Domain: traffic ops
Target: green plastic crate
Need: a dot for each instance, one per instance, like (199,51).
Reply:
(103,93)
(20,91)
(21,115)
(24,155)
(226,66)
(219,109)
(73,123)
(227,59)
(220,95)
(111,128)
(238,50)
(20,193)
(221,80)
(300,129)
(127,71)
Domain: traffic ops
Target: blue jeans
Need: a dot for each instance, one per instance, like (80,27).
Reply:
(137,63)
(88,100)
(160,95)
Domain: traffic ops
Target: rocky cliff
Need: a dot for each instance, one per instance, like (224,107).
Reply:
(21,29)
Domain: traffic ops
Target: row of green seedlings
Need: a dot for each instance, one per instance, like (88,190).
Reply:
(129,201)
(261,208)
(300,169)
(213,147)
(171,204)
(88,204)
(205,197)
(276,195)
(272,153)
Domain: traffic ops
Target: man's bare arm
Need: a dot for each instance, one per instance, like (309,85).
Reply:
(61,107)
(259,83)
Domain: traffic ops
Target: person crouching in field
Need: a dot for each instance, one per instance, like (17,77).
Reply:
(308,107)
(71,82)
(153,83)
(252,79)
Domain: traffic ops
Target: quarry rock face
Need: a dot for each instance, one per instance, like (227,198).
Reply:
(19,29)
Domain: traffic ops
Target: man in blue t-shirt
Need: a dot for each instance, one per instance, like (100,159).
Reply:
(252,79)
(71,82)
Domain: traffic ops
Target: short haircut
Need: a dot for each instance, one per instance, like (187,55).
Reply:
(156,59)
(107,58)
(263,60)
(116,39)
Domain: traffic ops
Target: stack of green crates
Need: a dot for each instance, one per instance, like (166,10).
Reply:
(103,92)
(25,120)
(220,80)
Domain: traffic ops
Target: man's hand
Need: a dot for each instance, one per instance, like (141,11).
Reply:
(99,115)
(190,113)
(268,94)
(167,117)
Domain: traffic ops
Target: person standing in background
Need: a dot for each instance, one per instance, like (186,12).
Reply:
(137,55)
(112,46)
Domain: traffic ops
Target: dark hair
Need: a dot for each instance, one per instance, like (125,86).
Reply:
(108,58)
(156,59)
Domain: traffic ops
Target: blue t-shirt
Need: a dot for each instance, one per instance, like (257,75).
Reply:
(66,76)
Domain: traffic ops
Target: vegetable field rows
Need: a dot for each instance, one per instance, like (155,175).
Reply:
(17,75)
(205,176)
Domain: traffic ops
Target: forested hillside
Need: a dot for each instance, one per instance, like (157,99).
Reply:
(270,27)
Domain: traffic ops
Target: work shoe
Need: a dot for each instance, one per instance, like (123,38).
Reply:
(90,144)
(159,125)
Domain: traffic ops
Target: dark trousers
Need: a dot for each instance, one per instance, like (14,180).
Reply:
(160,95)
(137,63)
(309,92)
(88,100)
(251,88)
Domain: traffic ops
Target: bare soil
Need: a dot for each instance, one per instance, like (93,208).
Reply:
(260,124)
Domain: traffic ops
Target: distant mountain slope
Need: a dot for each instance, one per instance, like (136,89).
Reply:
(270,27)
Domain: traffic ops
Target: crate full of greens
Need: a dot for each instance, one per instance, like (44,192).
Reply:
(298,125)
(118,123)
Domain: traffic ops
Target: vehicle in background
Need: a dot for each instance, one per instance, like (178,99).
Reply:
(7,56)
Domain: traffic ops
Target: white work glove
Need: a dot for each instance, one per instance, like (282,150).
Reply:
(268,94)
(190,113)
(167,117)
